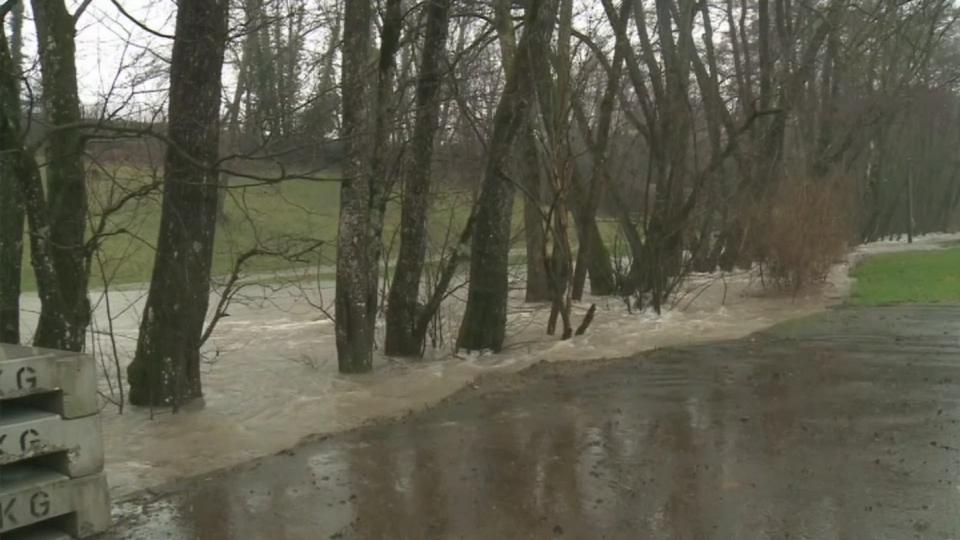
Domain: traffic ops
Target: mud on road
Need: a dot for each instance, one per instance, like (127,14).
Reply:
(843,425)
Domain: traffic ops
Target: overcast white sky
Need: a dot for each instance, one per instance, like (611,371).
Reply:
(116,60)
(107,43)
(125,66)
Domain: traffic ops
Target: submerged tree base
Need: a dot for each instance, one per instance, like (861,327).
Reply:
(159,383)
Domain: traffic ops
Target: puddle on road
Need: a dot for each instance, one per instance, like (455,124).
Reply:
(740,439)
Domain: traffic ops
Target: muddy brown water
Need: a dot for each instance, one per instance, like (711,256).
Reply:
(843,425)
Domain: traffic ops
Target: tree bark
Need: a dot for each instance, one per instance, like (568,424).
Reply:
(11,248)
(363,190)
(166,367)
(16,36)
(763,53)
(554,99)
(28,185)
(63,323)
(11,207)
(598,265)
(402,309)
(356,282)
(485,318)
(538,287)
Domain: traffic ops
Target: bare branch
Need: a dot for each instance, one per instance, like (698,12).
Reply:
(82,8)
(134,20)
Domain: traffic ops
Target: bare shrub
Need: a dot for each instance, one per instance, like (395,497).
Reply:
(806,230)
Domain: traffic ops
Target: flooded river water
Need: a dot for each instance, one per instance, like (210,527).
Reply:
(270,379)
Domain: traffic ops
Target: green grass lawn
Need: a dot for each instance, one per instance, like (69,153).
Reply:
(258,215)
(921,277)
(264,215)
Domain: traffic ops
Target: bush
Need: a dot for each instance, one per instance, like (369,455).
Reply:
(806,229)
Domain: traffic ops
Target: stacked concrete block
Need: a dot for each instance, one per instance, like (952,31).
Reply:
(51,449)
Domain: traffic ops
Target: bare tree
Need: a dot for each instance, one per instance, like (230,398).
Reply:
(24,195)
(166,367)
(485,318)
(363,190)
(592,252)
(405,334)
(65,314)
(529,167)
(11,208)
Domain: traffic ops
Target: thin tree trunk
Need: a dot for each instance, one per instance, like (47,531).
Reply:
(538,286)
(485,318)
(234,139)
(63,323)
(402,308)
(16,36)
(563,177)
(166,367)
(763,53)
(11,207)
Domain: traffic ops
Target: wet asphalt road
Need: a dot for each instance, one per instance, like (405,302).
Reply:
(841,426)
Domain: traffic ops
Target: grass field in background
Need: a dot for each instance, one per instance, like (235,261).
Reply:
(919,276)
(261,215)
(266,214)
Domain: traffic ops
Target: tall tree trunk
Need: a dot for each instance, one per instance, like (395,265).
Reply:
(28,184)
(554,99)
(356,292)
(11,207)
(363,190)
(402,308)
(485,318)
(538,286)
(166,367)
(63,323)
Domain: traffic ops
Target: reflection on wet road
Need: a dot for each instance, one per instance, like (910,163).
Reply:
(841,426)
